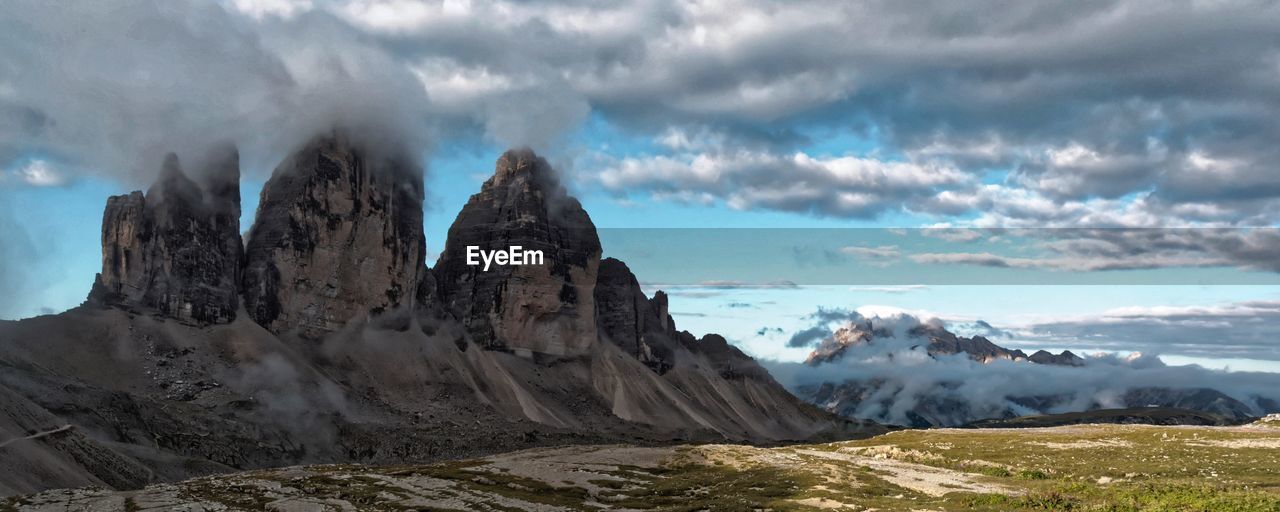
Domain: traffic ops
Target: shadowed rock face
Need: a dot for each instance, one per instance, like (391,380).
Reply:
(634,322)
(338,235)
(177,249)
(548,308)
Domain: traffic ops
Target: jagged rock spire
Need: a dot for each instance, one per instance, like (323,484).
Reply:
(628,318)
(177,249)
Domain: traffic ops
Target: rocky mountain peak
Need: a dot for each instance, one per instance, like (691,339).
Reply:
(1066,358)
(978,348)
(547,308)
(937,341)
(833,347)
(523,164)
(177,249)
(338,235)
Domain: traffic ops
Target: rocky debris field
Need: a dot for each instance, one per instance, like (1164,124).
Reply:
(1080,467)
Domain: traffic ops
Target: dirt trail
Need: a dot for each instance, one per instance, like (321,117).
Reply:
(917,477)
(36,435)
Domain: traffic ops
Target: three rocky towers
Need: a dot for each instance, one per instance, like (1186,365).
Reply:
(338,235)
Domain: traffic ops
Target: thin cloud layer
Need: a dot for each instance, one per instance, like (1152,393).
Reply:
(1086,250)
(837,187)
(1240,330)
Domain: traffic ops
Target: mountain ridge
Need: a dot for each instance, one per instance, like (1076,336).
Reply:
(346,347)
(954,399)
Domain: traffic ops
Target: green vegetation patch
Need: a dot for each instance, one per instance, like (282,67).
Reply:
(1033,474)
(1178,455)
(995,471)
(1130,498)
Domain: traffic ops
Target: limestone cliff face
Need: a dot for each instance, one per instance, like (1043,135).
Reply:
(631,320)
(124,226)
(547,308)
(338,235)
(177,249)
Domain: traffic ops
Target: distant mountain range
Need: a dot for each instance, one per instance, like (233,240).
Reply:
(913,397)
(324,337)
(937,341)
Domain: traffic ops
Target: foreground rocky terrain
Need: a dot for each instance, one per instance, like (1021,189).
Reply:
(326,339)
(1060,468)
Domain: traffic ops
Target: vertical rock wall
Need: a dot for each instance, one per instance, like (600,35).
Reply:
(177,249)
(338,235)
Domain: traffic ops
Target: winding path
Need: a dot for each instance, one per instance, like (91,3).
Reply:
(37,435)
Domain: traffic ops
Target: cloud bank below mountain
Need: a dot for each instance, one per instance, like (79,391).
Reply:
(899,377)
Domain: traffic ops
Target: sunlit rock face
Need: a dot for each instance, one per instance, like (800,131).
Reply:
(338,235)
(176,250)
(547,308)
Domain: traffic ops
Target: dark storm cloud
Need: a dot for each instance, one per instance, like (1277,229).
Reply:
(1085,104)
(114,86)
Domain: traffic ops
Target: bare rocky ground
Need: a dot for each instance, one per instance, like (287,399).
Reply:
(1079,467)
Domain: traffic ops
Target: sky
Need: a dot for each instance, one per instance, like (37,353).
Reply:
(1098,176)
